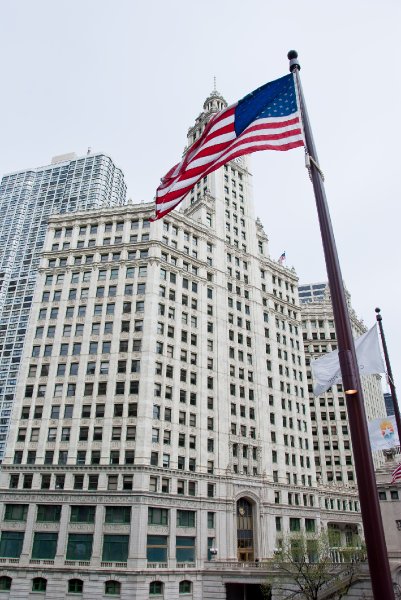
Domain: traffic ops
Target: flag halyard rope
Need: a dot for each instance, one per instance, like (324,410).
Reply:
(308,160)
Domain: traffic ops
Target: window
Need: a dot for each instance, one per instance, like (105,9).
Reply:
(112,588)
(115,548)
(295,524)
(156,549)
(157,516)
(16,512)
(78,482)
(185,587)
(39,584)
(60,480)
(48,513)
(118,514)
(79,546)
(5,583)
(112,482)
(83,514)
(185,549)
(75,586)
(310,525)
(11,544)
(155,588)
(44,545)
(186,518)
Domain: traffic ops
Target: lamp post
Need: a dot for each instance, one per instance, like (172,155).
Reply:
(397,415)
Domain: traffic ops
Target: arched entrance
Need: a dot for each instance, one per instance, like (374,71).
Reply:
(245,536)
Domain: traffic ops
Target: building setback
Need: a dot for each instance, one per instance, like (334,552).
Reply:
(27,199)
(162,434)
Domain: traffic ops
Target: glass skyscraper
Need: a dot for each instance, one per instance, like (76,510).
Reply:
(27,199)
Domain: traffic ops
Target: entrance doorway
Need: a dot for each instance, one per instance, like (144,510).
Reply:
(245,537)
(244,591)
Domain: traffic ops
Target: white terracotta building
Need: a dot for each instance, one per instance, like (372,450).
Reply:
(161,441)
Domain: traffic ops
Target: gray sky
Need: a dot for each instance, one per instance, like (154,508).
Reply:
(128,78)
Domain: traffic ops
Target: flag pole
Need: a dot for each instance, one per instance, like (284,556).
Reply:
(389,375)
(370,508)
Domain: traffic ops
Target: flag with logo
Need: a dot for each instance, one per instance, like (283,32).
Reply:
(326,370)
(383,433)
(266,119)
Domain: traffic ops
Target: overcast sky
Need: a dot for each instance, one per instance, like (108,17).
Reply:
(128,78)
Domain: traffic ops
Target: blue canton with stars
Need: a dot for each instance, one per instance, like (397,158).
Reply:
(274,99)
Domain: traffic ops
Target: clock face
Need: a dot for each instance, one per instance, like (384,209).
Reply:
(241,511)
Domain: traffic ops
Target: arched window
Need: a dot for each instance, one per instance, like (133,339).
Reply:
(5,583)
(75,586)
(245,537)
(185,587)
(156,588)
(39,584)
(112,588)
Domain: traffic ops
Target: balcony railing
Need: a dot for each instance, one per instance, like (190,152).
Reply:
(217,565)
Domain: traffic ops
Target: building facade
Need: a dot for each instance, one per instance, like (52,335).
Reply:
(312,292)
(161,441)
(390,505)
(388,401)
(27,199)
(332,441)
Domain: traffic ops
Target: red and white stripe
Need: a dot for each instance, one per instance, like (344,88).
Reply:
(396,474)
(219,144)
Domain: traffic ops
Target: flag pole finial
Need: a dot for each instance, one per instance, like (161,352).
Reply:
(293,58)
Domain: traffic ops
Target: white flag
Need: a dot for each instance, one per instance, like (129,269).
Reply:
(326,370)
(383,433)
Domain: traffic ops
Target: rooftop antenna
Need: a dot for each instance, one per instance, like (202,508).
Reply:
(214,83)
(88,151)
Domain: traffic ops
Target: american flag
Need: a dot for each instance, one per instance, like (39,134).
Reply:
(282,258)
(396,474)
(266,119)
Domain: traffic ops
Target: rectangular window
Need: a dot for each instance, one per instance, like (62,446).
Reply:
(157,516)
(186,518)
(185,549)
(295,524)
(79,546)
(44,545)
(11,543)
(118,514)
(156,548)
(48,513)
(115,548)
(310,525)
(16,512)
(82,514)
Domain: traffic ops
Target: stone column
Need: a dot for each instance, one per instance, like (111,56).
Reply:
(137,544)
(28,537)
(62,536)
(171,540)
(97,536)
